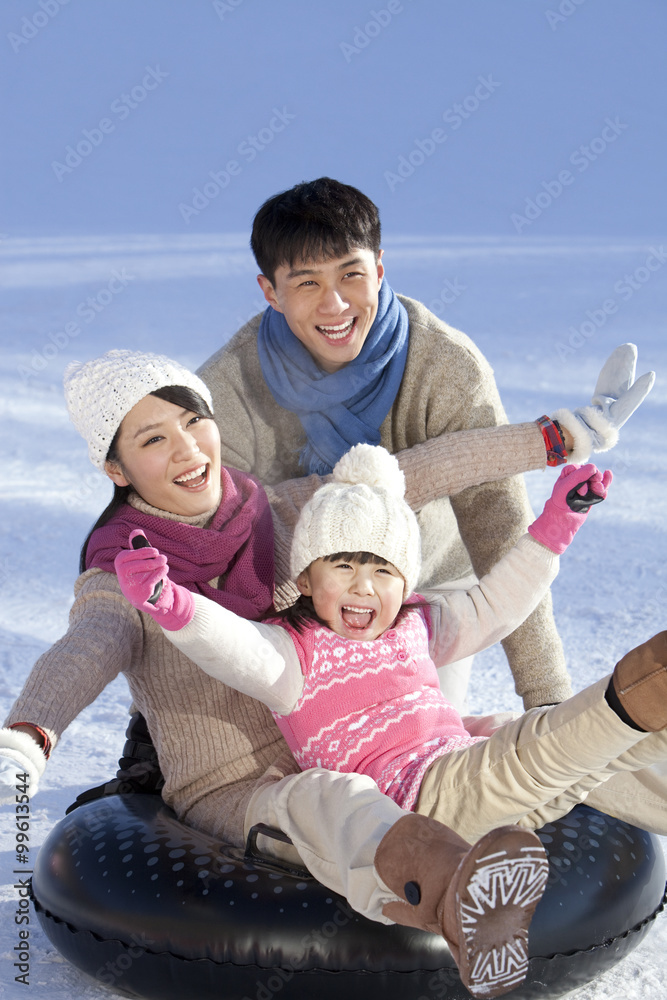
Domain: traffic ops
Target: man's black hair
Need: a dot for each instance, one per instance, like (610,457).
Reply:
(314,220)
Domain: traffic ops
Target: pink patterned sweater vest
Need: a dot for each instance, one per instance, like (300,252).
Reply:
(372,707)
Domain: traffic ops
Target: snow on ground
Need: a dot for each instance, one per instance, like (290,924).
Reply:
(545,312)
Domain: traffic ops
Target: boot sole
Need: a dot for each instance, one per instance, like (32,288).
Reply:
(500,882)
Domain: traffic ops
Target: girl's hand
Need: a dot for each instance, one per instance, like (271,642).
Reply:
(140,571)
(577,488)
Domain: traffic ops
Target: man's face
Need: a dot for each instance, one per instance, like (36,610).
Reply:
(329,305)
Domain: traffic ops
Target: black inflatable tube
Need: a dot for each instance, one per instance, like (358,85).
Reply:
(157,910)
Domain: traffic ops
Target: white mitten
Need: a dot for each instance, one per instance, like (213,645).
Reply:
(19,754)
(616,397)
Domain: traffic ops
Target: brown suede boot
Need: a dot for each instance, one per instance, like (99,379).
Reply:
(640,683)
(481,899)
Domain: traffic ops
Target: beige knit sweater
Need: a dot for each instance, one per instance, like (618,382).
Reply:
(216,746)
(447,386)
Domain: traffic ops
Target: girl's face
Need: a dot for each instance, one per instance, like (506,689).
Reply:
(356,600)
(170,456)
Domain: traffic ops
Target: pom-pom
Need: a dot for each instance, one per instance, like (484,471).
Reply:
(372,466)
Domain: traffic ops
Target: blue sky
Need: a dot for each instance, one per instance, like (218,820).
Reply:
(463,117)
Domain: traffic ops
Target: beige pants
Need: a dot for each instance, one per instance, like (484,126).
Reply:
(532,769)
(336,822)
(537,767)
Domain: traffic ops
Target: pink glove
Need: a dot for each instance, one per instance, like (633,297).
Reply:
(143,575)
(576,489)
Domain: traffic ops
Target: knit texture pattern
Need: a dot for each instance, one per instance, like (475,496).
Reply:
(372,708)
(441,467)
(235,550)
(447,386)
(100,392)
(361,510)
(215,745)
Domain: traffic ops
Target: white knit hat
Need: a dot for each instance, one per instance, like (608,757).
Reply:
(362,510)
(101,392)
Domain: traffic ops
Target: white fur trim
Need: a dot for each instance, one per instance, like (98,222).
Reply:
(591,430)
(602,426)
(22,749)
(583,439)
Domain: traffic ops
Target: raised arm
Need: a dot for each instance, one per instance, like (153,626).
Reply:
(455,461)
(467,621)
(258,660)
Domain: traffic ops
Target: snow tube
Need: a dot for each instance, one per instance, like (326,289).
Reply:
(154,909)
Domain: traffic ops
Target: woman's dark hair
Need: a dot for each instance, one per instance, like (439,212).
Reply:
(302,613)
(179,395)
(315,220)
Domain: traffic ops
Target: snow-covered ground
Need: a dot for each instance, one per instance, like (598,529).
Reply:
(545,312)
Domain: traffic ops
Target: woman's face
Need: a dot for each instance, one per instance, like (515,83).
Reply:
(170,456)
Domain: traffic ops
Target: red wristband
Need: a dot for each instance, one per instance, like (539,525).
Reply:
(553,440)
(47,742)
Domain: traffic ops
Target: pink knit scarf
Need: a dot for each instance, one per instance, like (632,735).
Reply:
(237,546)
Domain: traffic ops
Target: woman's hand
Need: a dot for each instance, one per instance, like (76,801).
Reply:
(20,755)
(140,572)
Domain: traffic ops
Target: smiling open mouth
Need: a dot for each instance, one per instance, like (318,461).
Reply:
(340,331)
(357,618)
(194,478)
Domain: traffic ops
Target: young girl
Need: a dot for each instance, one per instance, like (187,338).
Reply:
(148,424)
(350,675)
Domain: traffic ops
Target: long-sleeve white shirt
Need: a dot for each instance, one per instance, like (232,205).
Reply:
(260,659)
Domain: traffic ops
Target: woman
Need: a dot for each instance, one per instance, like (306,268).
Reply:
(148,424)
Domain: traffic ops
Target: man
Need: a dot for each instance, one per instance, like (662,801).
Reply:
(338,359)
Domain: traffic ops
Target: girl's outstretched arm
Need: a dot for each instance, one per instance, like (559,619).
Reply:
(466,621)
(456,460)
(258,660)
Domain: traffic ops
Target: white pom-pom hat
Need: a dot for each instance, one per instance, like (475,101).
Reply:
(101,392)
(362,510)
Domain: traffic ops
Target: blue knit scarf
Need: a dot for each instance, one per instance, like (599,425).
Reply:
(346,407)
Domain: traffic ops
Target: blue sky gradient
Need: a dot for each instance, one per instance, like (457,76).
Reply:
(455,117)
